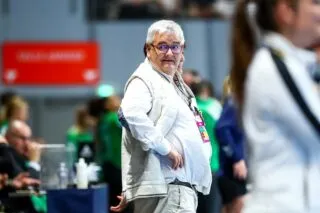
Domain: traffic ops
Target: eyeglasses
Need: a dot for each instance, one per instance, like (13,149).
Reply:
(164,48)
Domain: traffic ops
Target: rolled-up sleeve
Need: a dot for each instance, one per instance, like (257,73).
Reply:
(133,115)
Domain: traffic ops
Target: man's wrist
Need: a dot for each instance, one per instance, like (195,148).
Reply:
(164,148)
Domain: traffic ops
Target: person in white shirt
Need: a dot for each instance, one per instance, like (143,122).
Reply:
(284,147)
(165,147)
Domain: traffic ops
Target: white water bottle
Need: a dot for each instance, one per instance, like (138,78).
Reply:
(82,176)
(63,176)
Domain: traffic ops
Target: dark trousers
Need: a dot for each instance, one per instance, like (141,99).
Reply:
(18,205)
(210,203)
(112,176)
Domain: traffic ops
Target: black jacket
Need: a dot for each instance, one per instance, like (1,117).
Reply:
(12,163)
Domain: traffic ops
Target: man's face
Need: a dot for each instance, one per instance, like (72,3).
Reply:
(307,23)
(19,138)
(165,52)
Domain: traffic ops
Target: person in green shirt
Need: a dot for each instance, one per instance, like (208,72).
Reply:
(210,108)
(109,133)
(108,136)
(80,138)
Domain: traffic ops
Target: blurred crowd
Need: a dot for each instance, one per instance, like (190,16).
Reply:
(20,155)
(151,9)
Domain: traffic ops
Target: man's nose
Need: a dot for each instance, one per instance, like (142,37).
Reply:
(169,52)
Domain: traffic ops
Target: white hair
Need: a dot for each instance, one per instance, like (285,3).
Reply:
(163,26)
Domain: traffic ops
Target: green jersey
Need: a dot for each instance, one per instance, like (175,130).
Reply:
(109,137)
(75,140)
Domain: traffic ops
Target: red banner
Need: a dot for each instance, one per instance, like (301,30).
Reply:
(50,64)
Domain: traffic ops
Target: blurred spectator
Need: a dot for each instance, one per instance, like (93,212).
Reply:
(96,107)
(109,135)
(80,138)
(144,9)
(5,99)
(224,8)
(19,159)
(16,109)
(172,8)
(201,8)
(211,109)
(140,9)
(157,9)
(20,153)
(191,76)
(232,178)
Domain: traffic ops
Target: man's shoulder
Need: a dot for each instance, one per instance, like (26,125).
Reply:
(6,147)
(145,72)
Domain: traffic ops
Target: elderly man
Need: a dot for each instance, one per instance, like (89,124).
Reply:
(20,181)
(20,154)
(18,166)
(165,147)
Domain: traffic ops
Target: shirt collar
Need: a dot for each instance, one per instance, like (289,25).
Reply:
(306,57)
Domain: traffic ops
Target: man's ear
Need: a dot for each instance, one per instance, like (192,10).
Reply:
(148,52)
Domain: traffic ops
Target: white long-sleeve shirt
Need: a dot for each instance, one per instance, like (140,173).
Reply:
(285,150)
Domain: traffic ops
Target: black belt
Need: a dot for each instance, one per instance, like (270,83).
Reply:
(181,183)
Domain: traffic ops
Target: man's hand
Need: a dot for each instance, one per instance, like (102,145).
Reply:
(240,170)
(176,158)
(3,180)
(23,180)
(34,152)
(121,206)
(3,140)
